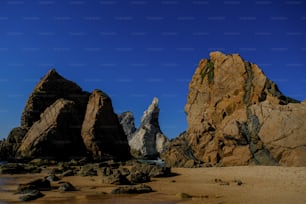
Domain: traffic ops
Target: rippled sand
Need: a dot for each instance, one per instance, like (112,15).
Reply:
(205,185)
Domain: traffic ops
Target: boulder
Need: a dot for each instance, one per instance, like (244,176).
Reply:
(113,176)
(37,184)
(102,133)
(56,134)
(66,186)
(148,141)
(31,195)
(178,153)
(127,122)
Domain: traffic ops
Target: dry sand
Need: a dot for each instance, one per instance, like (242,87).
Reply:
(260,185)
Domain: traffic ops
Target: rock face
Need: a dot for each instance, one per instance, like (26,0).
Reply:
(127,122)
(56,134)
(102,133)
(237,116)
(148,141)
(52,87)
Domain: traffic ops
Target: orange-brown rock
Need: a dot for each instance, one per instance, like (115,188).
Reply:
(102,133)
(234,116)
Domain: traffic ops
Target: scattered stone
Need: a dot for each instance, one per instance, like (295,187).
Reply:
(238,182)
(221,182)
(31,195)
(88,170)
(66,186)
(37,184)
(124,171)
(52,178)
(139,177)
(142,188)
(183,195)
(12,168)
(68,173)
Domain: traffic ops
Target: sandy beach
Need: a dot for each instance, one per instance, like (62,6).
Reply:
(260,184)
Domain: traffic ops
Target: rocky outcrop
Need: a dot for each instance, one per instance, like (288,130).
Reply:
(237,116)
(127,122)
(178,153)
(56,134)
(9,146)
(53,124)
(50,88)
(148,141)
(102,133)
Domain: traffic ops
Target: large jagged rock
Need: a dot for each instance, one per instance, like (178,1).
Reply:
(56,134)
(102,133)
(236,116)
(127,122)
(148,141)
(50,88)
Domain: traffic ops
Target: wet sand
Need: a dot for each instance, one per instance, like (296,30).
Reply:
(206,185)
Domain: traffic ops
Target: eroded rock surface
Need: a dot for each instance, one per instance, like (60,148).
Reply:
(102,133)
(56,134)
(148,141)
(237,116)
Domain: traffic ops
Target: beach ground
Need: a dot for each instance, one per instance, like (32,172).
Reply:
(247,184)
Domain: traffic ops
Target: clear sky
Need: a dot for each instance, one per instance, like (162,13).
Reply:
(137,49)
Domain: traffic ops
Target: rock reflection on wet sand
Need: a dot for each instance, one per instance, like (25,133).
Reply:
(109,199)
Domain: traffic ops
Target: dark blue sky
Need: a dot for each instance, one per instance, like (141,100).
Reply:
(135,50)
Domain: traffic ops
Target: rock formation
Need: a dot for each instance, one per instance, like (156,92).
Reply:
(148,141)
(56,134)
(52,121)
(237,116)
(101,131)
(52,87)
(127,122)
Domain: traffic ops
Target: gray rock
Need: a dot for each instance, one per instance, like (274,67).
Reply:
(148,140)
(127,122)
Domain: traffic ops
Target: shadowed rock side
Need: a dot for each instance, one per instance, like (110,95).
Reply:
(55,135)
(53,119)
(148,141)
(127,122)
(9,146)
(237,116)
(101,131)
